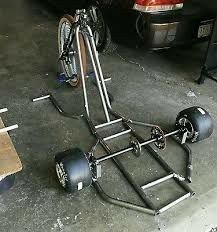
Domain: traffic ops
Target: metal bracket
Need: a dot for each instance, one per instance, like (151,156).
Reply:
(97,171)
(184,137)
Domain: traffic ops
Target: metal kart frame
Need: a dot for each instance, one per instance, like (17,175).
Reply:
(158,137)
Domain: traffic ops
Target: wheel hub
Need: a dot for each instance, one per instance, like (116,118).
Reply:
(61,175)
(185,125)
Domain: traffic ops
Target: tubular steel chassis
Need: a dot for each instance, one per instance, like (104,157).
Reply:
(81,27)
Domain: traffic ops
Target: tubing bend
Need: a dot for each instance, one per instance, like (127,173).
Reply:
(60,109)
(125,204)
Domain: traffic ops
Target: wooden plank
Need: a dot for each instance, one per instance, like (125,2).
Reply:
(9,160)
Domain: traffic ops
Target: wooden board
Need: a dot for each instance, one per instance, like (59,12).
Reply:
(9,160)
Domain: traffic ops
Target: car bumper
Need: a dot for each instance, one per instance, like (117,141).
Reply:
(172,34)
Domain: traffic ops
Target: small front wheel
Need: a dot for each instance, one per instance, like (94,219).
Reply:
(68,50)
(197,122)
(73,170)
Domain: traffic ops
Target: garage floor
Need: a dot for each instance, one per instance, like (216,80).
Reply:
(154,92)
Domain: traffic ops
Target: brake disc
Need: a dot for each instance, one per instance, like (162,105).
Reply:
(158,134)
(136,147)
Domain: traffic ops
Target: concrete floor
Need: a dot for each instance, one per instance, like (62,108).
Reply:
(156,94)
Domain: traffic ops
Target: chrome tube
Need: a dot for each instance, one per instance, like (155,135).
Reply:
(3,110)
(106,157)
(117,135)
(9,128)
(174,203)
(172,133)
(146,142)
(99,67)
(77,31)
(141,123)
(158,181)
(41,98)
(97,77)
(108,123)
(107,79)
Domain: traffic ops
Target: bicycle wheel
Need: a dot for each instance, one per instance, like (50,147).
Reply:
(70,62)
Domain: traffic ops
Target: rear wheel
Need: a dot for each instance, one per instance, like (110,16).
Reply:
(197,122)
(73,170)
(70,61)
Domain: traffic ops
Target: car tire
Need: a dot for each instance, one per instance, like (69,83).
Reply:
(198,123)
(109,46)
(7,183)
(104,43)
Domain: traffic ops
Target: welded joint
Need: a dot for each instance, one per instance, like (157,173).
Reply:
(163,209)
(179,177)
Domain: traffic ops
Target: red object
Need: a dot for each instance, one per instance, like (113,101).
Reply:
(158,2)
